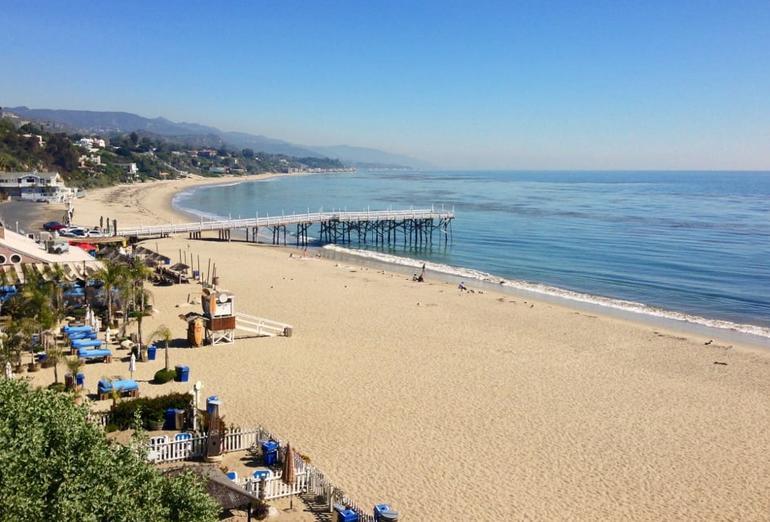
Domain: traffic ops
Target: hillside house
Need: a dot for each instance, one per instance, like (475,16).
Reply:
(36,186)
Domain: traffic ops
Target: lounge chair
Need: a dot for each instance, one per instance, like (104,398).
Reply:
(86,343)
(262,474)
(81,334)
(232,475)
(124,386)
(67,329)
(86,355)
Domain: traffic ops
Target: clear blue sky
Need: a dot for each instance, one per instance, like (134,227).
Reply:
(568,85)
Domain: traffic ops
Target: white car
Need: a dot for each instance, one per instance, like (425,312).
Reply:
(73,232)
(95,232)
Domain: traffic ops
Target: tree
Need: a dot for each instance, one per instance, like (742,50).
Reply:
(112,274)
(162,332)
(138,273)
(134,137)
(56,465)
(248,153)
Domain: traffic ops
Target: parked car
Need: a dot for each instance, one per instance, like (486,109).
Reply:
(73,232)
(53,226)
(96,232)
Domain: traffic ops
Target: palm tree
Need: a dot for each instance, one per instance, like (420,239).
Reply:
(74,365)
(138,273)
(144,297)
(162,332)
(55,355)
(112,274)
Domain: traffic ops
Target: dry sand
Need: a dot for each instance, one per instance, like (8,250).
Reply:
(454,406)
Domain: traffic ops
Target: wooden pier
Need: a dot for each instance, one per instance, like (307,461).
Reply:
(383,227)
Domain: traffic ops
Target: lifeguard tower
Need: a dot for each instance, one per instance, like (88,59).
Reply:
(219,316)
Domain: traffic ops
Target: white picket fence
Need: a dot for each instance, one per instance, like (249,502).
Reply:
(161,449)
(309,479)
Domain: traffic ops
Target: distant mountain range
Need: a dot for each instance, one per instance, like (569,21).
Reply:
(205,136)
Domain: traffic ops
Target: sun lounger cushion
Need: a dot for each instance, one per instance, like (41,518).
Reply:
(86,343)
(84,353)
(82,328)
(81,335)
(125,385)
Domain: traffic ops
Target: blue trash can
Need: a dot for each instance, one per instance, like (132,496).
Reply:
(170,423)
(182,373)
(345,515)
(80,379)
(152,351)
(270,452)
(212,403)
(384,513)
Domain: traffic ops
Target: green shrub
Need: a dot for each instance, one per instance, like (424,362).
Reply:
(56,465)
(149,409)
(164,376)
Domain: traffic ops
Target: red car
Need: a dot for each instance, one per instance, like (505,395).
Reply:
(53,226)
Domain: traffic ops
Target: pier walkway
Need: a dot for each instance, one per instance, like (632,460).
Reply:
(412,227)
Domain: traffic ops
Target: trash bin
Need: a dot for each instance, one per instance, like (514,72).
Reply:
(152,351)
(212,405)
(80,379)
(196,274)
(383,512)
(170,423)
(344,514)
(270,452)
(178,419)
(182,373)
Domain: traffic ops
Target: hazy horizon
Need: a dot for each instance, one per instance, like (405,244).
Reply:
(555,86)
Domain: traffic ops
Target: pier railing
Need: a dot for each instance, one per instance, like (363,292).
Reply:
(282,221)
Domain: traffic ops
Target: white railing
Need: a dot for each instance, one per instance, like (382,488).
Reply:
(261,326)
(293,219)
(309,479)
(275,487)
(100,418)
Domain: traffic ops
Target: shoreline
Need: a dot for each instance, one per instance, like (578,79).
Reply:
(681,322)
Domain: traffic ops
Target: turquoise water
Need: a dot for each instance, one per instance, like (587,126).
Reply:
(691,245)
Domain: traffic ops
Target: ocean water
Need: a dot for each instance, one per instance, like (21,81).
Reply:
(691,246)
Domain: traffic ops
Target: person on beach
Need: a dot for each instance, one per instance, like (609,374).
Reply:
(462,286)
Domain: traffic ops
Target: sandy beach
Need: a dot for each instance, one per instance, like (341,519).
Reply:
(461,406)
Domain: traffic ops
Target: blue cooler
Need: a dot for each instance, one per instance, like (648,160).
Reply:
(270,452)
(344,514)
(80,379)
(182,373)
(152,350)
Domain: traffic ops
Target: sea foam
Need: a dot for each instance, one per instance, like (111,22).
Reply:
(552,291)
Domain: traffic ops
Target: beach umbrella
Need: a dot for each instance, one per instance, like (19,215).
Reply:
(8,371)
(289,472)
(132,365)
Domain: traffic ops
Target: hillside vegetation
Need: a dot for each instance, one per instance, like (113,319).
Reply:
(154,157)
